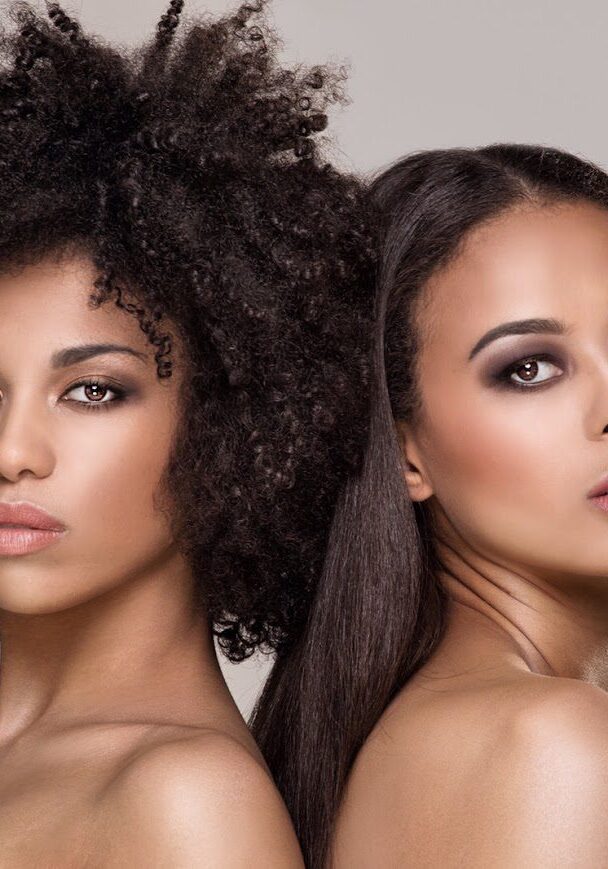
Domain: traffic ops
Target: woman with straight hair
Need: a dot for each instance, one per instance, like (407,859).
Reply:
(446,705)
(185,283)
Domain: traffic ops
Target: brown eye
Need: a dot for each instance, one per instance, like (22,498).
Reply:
(527,370)
(95,391)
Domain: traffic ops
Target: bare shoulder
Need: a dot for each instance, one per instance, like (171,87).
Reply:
(579,706)
(549,779)
(529,756)
(198,801)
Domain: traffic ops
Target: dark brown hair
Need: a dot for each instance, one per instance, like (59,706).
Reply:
(379,610)
(190,170)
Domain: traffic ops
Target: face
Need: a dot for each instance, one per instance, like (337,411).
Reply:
(91,455)
(513,438)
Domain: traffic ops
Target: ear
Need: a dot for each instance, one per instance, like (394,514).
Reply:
(417,481)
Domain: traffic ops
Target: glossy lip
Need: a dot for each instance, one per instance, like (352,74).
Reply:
(26,514)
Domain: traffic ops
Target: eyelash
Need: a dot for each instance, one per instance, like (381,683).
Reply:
(120,394)
(503,377)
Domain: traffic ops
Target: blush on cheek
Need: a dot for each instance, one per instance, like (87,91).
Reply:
(116,487)
(496,489)
(488,460)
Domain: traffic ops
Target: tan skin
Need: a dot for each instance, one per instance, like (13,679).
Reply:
(120,743)
(494,754)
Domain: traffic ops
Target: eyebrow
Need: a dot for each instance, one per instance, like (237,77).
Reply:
(537,326)
(72,355)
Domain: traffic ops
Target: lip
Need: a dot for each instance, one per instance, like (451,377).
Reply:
(600,501)
(21,541)
(27,516)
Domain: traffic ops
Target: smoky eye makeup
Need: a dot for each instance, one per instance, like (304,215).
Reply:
(541,366)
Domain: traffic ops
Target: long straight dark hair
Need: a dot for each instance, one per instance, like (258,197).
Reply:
(379,610)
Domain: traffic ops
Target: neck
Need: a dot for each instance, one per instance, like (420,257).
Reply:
(134,652)
(558,625)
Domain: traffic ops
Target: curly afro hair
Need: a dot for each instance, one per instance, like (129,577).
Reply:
(189,170)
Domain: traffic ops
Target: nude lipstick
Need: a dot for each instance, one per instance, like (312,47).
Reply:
(25,528)
(598,495)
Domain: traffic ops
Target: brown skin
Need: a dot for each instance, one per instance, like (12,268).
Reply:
(494,753)
(120,743)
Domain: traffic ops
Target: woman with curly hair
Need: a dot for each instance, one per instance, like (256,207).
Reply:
(169,462)
(456,655)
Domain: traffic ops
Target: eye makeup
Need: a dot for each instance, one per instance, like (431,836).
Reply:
(100,383)
(503,378)
(104,386)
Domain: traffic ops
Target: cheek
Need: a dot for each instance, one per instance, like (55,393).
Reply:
(113,479)
(477,450)
(506,472)
(499,472)
(106,475)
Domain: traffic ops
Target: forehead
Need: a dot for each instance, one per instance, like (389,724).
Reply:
(531,262)
(45,307)
(53,295)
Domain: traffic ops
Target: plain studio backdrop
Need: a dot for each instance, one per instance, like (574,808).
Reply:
(423,74)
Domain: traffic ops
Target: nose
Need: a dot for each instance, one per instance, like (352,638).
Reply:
(24,440)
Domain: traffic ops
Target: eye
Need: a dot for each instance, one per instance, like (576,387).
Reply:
(529,367)
(95,389)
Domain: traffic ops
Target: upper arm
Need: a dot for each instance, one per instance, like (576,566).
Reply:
(200,802)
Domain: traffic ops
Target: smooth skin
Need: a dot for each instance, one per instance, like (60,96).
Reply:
(496,753)
(120,743)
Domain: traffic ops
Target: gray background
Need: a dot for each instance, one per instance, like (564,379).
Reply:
(425,74)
